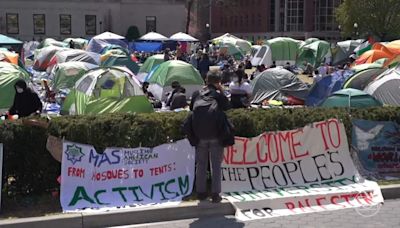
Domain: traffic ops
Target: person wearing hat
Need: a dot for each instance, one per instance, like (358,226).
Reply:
(26,102)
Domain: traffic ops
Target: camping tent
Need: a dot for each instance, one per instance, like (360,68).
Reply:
(314,52)
(9,74)
(277,84)
(352,98)
(51,42)
(75,55)
(97,43)
(374,55)
(174,70)
(385,88)
(65,75)
(231,49)
(183,37)
(106,90)
(7,56)
(327,85)
(343,50)
(149,65)
(262,56)
(243,45)
(153,36)
(43,57)
(361,79)
(10,42)
(121,60)
(79,43)
(283,50)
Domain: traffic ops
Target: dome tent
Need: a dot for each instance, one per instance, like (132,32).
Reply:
(106,90)
(65,75)
(149,65)
(174,70)
(351,98)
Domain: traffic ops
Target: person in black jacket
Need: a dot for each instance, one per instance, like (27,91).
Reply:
(26,102)
(207,105)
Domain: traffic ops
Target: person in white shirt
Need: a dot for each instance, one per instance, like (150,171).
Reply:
(240,91)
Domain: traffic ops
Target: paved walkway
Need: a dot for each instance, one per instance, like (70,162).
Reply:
(388,216)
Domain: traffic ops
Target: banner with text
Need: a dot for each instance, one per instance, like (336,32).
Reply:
(125,176)
(292,172)
(377,146)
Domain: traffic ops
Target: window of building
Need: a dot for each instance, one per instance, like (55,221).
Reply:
(325,15)
(294,15)
(90,24)
(39,24)
(12,23)
(65,24)
(151,24)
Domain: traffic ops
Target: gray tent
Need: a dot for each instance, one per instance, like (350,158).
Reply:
(385,88)
(277,84)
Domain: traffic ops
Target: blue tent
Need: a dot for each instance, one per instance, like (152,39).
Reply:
(146,46)
(327,86)
(97,43)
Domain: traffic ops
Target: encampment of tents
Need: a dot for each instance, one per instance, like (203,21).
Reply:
(43,56)
(283,50)
(351,98)
(51,42)
(65,75)
(106,90)
(243,45)
(385,88)
(9,74)
(343,50)
(174,70)
(97,43)
(277,84)
(75,55)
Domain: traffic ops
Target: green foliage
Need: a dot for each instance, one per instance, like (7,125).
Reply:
(34,171)
(374,17)
(132,33)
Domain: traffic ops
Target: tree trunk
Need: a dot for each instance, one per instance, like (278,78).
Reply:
(188,17)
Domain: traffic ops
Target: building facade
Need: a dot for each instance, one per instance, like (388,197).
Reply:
(265,19)
(36,19)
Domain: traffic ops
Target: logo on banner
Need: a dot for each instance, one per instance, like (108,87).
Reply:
(74,153)
(367,210)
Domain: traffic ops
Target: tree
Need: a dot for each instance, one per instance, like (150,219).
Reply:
(132,33)
(379,18)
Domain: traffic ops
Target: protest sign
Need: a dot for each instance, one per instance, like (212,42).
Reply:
(377,147)
(125,176)
(292,172)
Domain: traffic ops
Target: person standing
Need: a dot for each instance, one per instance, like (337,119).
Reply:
(208,106)
(204,65)
(240,90)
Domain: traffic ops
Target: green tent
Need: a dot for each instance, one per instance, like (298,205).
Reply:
(106,90)
(79,43)
(174,70)
(352,98)
(68,73)
(121,60)
(361,79)
(284,48)
(151,62)
(9,74)
(366,66)
(313,52)
(243,45)
(232,50)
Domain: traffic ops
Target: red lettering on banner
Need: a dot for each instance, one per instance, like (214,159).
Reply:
(333,201)
(288,139)
(319,202)
(290,206)
(321,127)
(272,135)
(258,149)
(245,162)
(346,197)
(76,172)
(338,133)
(296,144)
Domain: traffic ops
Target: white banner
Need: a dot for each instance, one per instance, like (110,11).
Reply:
(292,172)
(124,176)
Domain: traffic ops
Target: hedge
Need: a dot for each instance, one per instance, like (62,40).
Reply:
(30,169)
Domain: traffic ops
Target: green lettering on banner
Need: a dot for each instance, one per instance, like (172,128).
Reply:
(96,196)
(159,185)
(120,189)
(80,194)
(133,189)
(166,188)
(184,186)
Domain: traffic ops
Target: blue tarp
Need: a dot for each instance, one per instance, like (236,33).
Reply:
(146,46)
(327,86)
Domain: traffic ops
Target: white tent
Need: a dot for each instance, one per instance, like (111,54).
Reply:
(108,36)
(153,36)
(385,88)
(243,45)
(262,56)
(180,36)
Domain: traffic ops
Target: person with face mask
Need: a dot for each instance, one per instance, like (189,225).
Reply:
(240,90)
(26,102)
